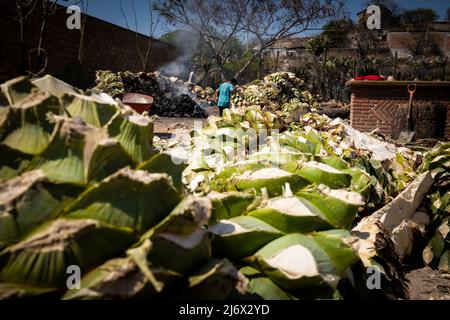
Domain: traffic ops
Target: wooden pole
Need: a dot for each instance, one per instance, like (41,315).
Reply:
(323,69)
(259,67)
(444,69)
(395,65)
(276,61)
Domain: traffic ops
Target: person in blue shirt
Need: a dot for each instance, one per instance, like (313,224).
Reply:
(225,90)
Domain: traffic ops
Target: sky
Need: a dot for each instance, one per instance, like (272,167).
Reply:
(109,10)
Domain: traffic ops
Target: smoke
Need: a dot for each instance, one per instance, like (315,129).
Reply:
(186,43)
(176,68)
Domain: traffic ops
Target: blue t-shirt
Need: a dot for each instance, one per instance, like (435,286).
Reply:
(224,94)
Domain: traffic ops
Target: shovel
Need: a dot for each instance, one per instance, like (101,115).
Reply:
(408,135)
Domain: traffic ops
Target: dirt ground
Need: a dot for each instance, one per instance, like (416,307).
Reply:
(428,284)
(164,126)
(171,125)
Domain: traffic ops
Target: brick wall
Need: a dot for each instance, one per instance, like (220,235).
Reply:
(374,103)
(106,46)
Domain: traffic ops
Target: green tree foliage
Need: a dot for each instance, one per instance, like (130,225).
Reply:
(337,32)
(318,45)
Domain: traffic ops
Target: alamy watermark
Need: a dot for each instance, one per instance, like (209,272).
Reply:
(373,282)
(74,279)
(74,20)
(225,145)
(373,17)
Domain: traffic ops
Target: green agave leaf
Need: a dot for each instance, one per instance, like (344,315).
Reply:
(442,172)
(321,173)
(7,173)
(28,129)
(437,245)
(221,180)
(375,168)
(227,205)
(192,213)
(444,228)
(135,134)
(17,89)
(339,207)
(116,279)
(217,146)
(437,155)
(54,86)
(297,142)
(107,158)
(224,134)
(79,153)
(181,234)
(134,199)
(64,158)
(42,258)
(299,261)
(26,201)
(361,182)
(440,161)
(229,118)
(3,103)
(92,110)
(215,280)
(277,158)
(120,279)
(314,138)
(241,236)
(335,162)
(440,201)
(195,180)
(273,179)
(444,262)
(166,163)
(187,252)
(4,115)
(203,162)
(262,287)
(12,163)
(29,138)
(292,214)
(337,245)
(13,291)
(7,121)
(294,261)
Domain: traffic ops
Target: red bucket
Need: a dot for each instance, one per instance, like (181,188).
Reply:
(139,102)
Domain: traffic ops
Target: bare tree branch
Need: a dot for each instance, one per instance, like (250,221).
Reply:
(219,22)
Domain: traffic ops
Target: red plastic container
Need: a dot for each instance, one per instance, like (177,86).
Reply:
(139,102)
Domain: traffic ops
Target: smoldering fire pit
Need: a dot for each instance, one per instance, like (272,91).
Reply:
(383,105)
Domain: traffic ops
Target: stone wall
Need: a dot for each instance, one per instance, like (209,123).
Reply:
(401,41)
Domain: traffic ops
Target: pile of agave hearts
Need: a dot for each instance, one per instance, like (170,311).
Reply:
(82,185)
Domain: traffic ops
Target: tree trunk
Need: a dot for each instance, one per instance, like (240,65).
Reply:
(260,63)
(247,64)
